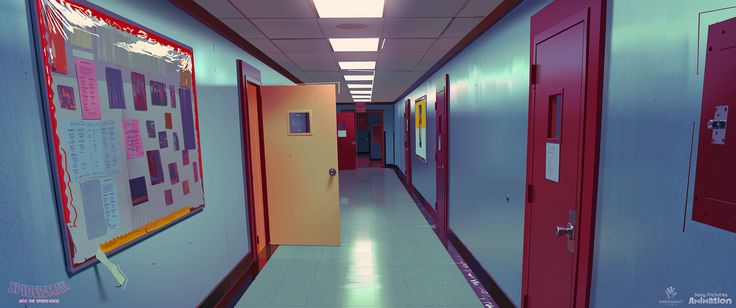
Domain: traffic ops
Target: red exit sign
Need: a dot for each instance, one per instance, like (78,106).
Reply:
(359,107)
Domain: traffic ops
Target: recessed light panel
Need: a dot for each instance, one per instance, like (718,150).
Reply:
(354,44)
(360,86)
(360,92)
(349,8)
(361,96)
(358,77)
(362,100)
(357,65)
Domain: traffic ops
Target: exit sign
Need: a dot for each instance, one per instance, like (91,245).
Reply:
(359,107)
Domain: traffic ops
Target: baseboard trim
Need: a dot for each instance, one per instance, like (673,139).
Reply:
(486,280)
(489,284)
(236,282)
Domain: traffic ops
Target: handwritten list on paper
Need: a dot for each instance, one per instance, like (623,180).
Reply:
(133,142)
(88,94)
(91,149)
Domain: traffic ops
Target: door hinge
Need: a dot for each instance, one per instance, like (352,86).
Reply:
(529,193)
(533,74)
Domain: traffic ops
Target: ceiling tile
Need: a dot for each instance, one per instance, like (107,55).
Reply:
(479,8)
(314,61)
(351,27)
(407,45)
(387,93)
(443,45)
(423,8)
(414,27)
(460,27)
(243,27)
(303,45)
(264,45)
(414,76)
(220,9)
(390,78)
(274,8)
(289,28)
(398,61)
(283,60)
(429,60)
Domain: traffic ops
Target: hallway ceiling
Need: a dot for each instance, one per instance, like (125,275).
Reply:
(413,36)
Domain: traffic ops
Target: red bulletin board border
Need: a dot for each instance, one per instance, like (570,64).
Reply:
(46,82)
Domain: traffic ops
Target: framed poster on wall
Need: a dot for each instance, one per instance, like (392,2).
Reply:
(420,128)
(122,126)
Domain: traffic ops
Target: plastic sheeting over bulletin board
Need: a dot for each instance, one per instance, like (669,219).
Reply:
(122,126)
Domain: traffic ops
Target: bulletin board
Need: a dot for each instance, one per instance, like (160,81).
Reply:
(420,128)
(122,124)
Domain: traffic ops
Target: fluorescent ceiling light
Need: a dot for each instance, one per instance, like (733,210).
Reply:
(354,44)
(360,92)
(362,100)
(349,8)
(357,65)
(361,96)
(360,86)
(358,77)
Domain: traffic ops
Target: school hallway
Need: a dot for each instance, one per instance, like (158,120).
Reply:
(389,257)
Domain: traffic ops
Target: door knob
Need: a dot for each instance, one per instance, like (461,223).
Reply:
(569,231)
(333,171)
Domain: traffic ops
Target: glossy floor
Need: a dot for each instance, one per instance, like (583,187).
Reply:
(389,257)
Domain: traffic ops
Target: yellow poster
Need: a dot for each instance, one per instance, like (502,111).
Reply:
(420,127)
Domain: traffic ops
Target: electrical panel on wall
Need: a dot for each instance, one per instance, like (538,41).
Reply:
(714,202)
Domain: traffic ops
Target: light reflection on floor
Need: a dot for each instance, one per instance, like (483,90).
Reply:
(389,257)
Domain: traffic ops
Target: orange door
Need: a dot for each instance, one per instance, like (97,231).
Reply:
(256,169)
(299,129)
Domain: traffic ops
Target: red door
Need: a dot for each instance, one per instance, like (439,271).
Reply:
(562,145)
(715,201)
(407,141)
(346,147)
(441,158)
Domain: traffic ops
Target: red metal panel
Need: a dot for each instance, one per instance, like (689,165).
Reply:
(346,146)
(359,107)
(714,202)
(567,65)
(441,160)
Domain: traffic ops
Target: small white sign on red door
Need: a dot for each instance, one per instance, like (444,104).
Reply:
(552,163)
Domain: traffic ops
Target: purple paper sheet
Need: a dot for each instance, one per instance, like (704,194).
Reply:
(158,93)
(187,119)
(115,95)
(140,99)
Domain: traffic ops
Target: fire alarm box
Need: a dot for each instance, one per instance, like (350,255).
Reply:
(714,201)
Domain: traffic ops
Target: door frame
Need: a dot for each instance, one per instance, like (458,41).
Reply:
(552,19)
(443,216)
(407,141)
(243,82)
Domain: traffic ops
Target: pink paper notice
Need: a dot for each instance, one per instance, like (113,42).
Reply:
(88,95)
(133,143)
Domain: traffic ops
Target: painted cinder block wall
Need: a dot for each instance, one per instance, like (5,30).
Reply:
(175,268)
(652,94)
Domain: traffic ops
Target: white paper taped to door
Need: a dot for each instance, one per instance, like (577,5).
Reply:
(552,163)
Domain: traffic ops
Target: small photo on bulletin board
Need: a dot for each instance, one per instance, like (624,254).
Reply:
(122,122)
(420,128)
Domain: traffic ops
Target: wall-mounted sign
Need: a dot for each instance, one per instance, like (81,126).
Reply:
(420,123)
(359,107)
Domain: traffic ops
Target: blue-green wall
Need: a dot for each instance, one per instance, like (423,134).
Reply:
(175,268)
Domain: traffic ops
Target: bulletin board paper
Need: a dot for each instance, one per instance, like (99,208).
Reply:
(123,132)
(420,128)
